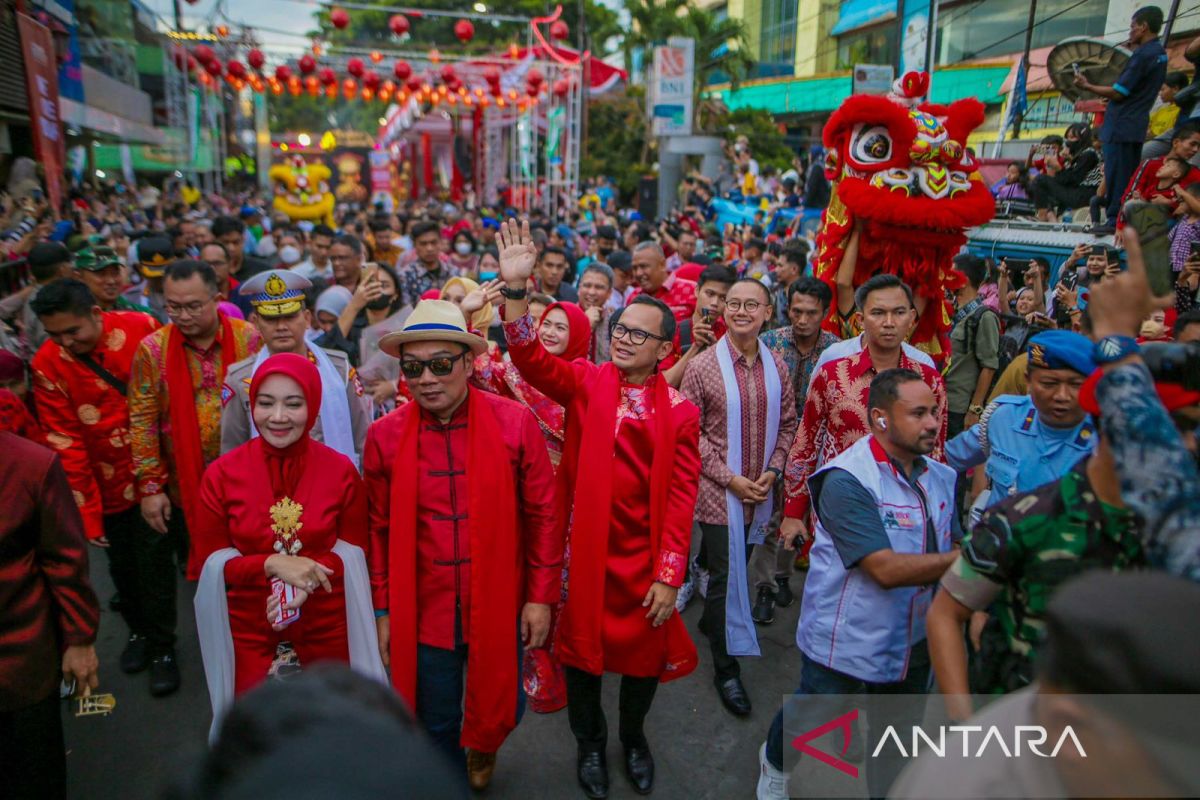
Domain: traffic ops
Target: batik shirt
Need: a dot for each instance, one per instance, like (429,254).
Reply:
(149,401)
(835,417)
(782,343)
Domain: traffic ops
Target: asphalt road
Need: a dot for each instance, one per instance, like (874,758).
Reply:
(700,750)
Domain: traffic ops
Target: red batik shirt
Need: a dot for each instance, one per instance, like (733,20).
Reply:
(835,417)
(87,420)
(678,293)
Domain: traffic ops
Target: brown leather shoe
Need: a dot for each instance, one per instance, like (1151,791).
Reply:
(480,767)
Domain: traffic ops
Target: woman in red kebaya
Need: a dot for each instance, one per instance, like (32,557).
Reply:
(281,509)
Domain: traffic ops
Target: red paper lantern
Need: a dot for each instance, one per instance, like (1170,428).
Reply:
(371,80)
(399,24)
(256,59)
(492,75)
(181,59)
(413,83)
(559,30)
(349,89)
(376,56)
(434,56)
(214,68)
(339,18)
(312,85)
(331,90)
(327,76)
(532,90)
(204,54)
(307,64)
(535,77)
(283,72)
(193,64)
(448,73)
(236,69)
(356,67)
(401,70)
(464,30)
(561,87)
(222,31)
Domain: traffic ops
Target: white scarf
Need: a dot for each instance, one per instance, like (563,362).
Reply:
(216,637)
(336,430)
(740,636)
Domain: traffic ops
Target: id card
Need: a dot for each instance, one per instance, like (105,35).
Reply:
(286,594)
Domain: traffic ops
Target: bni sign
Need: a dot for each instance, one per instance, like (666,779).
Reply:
(671,85)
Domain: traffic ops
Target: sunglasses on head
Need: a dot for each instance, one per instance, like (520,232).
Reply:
(440,366)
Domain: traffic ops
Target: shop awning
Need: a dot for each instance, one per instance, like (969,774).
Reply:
(855,14)
(97,120)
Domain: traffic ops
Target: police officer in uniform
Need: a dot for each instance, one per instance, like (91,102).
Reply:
(1028,441)
(282,317)
(154,254)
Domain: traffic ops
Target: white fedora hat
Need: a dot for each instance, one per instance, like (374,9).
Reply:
(433,321)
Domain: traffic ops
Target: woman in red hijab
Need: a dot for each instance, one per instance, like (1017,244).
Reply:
(282,512)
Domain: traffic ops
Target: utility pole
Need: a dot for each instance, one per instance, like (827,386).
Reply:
(178,16)
(1025,64)
(1166,34)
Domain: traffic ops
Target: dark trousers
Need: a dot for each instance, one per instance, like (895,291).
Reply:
(818,679)
(33,762)
(121,531)
(1049,193)
(1120,162)
(441,684)
(712,621)
(586,714)
(154,555)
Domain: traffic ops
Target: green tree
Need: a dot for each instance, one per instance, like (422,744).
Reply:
(616,140)
(767,142)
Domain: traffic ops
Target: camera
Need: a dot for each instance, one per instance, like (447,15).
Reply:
(1174,362)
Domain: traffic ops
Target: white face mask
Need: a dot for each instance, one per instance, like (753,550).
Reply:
(289,254)
(463,248)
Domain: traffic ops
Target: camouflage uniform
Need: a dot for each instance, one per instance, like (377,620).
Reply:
(1018,555)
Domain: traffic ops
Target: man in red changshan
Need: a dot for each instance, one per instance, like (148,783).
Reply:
(48,618)
(465,540)
(630,468)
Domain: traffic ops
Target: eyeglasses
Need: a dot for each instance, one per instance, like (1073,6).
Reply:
(636,335)
(188,309)
(440,366)
(751,306)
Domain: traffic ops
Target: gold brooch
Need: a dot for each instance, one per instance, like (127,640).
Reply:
(286,525)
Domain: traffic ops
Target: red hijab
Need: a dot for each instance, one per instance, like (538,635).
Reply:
(579,326)
(285,465)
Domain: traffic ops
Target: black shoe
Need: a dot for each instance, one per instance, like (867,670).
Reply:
(1103,230)
(592,771)
(136,655)
(639,768)
(784,597)
(733,696)
(764,607)
(164,674)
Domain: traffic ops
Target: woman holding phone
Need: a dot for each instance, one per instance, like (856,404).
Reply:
(281,530)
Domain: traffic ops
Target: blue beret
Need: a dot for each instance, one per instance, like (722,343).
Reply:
(1062,350)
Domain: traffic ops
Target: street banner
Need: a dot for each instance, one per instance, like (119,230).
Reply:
(41,84)
(914,36)
(672,85)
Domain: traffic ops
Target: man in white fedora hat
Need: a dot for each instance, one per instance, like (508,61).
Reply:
(440,499)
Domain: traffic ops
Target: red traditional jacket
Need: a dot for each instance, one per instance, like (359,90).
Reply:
(835,417)
(87,419)
(444,557)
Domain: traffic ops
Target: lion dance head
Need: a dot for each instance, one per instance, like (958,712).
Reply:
(900,169)
(302,190)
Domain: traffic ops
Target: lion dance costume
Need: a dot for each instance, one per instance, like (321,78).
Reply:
(302,190)
(900,167)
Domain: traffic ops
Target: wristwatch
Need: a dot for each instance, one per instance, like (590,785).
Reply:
(976,410)
(1114,348)
(513,294)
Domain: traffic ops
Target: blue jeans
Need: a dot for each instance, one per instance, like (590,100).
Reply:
(441,682)
(818,679)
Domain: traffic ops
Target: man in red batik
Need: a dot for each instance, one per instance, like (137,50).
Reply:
(835,413)
(466,544)
(80,378)
(652,278)
(630,470)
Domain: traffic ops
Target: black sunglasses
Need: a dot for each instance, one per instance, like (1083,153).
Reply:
(440,366)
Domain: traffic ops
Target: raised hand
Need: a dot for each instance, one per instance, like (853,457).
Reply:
(517,253)
(488,292)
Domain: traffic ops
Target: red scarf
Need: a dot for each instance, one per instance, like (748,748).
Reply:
(185,425)
(496,585)
(589,454)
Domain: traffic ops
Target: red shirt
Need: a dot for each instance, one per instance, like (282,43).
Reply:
(444,552)
(835,417)
(1145,182)
(87,420)
(678,293)
(15,418)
